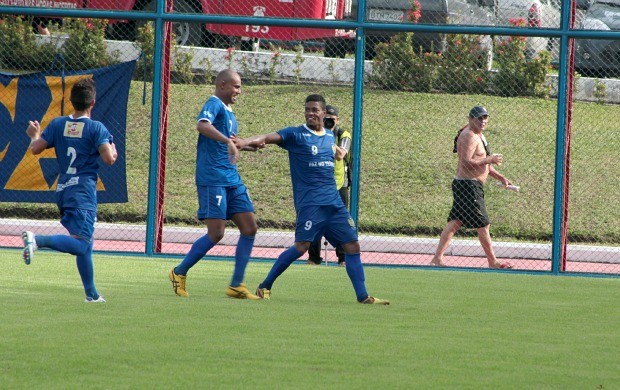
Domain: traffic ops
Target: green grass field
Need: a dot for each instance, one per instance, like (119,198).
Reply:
(443,329)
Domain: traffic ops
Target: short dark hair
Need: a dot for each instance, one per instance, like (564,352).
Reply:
(83,94)
(317,98)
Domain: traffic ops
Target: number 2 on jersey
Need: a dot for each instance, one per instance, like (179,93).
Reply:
(71,152)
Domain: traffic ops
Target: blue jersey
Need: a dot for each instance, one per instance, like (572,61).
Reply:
(77,144)
(311,160)
(213,168)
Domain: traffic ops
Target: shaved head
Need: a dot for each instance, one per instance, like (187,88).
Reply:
(228,86)
(225,76)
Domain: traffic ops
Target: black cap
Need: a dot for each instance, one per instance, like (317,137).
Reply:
(478,112)
(331,110)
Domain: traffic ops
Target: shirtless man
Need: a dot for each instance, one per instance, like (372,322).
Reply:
(475,164)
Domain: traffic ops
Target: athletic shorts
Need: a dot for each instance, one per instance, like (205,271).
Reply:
(468,206)
(79,222)
(332,222)
(223,202)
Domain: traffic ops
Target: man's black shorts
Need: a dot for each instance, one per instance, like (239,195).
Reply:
(468,206)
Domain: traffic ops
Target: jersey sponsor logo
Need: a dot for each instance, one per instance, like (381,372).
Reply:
(351,222)
(321,164)
(71,182)
(73,129)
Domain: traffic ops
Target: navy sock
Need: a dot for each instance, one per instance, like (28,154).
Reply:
(65,244)
(242,257)
(87,272)
(355,270)
(200,248)
(285,259)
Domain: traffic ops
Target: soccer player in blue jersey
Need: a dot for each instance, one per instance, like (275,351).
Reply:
(79,142)
(221,193)
(320,210)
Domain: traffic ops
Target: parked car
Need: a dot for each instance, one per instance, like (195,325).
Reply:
(599,57)
(536,13)
(584,4)
(463,12)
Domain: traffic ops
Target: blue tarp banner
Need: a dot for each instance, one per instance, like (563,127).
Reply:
(44,96)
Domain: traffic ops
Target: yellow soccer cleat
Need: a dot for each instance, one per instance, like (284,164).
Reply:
(375,301)
(178,283)
(240,292)
(263,293)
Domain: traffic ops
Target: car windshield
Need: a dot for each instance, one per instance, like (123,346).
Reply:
(613,3)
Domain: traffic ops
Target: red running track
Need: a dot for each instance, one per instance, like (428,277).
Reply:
(377,258)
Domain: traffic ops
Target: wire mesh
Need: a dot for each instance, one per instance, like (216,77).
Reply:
(419,88)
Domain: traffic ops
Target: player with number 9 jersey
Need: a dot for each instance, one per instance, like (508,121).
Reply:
(319,207)
(311,161)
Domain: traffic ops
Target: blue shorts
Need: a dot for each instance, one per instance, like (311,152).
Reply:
(223,202)
(79,222)
(332,222)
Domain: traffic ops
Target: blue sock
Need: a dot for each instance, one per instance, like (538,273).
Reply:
(200,248)
(355,270)
(242,257)
(65,244)
(87,272)
(285,259)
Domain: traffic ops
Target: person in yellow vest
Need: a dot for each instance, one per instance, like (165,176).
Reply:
(341,174)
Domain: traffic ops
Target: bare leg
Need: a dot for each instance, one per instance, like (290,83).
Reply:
(444,241)
(485,240)
(216,229)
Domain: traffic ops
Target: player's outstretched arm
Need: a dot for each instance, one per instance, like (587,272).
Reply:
(259,141)
(243,145)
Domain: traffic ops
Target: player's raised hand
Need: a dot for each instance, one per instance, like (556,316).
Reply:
(340,153)
(33,130)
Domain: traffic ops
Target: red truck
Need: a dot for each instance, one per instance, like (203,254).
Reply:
(199,34)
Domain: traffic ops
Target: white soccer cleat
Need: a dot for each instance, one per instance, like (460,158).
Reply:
(93,300)
(30,246)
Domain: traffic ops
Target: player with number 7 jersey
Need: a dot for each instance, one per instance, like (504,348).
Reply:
(222,196)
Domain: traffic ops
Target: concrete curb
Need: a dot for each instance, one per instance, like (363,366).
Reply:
(370,243)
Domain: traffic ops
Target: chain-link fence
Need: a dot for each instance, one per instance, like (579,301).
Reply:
(419,157)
